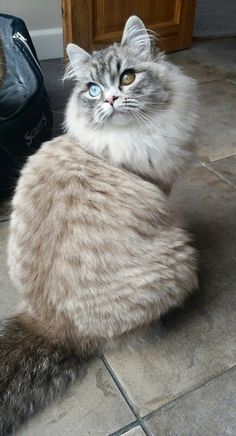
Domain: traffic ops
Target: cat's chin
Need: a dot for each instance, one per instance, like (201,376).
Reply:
(119,119)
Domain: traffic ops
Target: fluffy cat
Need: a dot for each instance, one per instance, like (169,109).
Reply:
(93,246)
(148,127)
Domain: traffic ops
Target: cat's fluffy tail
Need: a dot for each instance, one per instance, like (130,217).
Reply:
(35,368)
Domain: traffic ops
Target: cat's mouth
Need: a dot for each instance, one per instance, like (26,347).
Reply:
(116,112)
(119,116)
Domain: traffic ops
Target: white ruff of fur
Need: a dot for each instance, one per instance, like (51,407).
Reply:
(161,149)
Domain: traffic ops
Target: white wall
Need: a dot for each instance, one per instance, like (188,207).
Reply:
(43,19)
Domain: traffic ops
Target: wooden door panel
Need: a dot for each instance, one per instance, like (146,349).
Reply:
(95,23)
(109,22)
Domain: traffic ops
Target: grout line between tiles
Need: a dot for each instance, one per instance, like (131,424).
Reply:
(218,174)
(124,394)
(120,387)
(184,394)
(212,81)
(145,427)
(210,162)
(124,429)
(132,426)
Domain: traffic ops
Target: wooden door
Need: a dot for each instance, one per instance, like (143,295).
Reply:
(95,23)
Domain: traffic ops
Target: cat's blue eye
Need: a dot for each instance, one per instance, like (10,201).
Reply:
(94,90)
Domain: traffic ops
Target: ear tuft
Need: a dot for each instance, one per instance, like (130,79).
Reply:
(78,57)
(136,34)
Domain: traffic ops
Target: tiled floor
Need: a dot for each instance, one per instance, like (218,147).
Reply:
(182,380)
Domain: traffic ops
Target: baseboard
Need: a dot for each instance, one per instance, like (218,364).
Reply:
(48,43)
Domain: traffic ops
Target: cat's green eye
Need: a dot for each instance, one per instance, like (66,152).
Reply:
(127,77)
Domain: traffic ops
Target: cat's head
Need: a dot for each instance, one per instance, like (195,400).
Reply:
(131,106)
(120,84)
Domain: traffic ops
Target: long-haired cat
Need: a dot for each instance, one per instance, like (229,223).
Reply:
(93,246)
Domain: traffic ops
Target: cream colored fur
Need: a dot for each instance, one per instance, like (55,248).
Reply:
(93,246)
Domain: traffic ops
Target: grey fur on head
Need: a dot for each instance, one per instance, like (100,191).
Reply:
(105,68)
(132,107)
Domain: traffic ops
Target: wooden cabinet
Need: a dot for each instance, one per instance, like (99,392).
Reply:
(95,23)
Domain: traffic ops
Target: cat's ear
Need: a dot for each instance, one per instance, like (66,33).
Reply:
(77,55)
(78,58)
(136,35)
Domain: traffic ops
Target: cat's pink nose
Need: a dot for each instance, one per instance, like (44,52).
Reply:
(110,99)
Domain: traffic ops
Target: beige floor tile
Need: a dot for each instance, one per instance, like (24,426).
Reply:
(209,410)
(216,133)
(209,60)
(208,205)
(53,70)
(226,168)
(58,118)
(196,343)
(93,407)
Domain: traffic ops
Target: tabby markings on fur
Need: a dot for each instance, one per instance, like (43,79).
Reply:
(93,247)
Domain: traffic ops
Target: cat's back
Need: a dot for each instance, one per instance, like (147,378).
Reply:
(86,238)
(62,172)
(68,201)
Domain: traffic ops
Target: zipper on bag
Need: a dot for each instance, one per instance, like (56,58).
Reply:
(18,36)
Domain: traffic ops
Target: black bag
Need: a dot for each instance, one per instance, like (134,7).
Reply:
(25,111)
